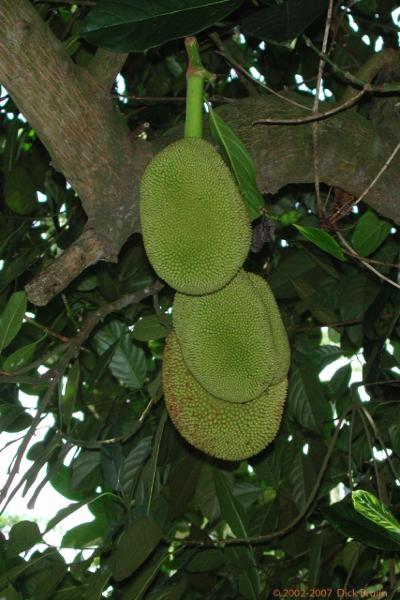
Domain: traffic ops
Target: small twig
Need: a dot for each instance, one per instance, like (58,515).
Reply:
(314,126)
(340,323)
(314,117)
(48,331)
(354,254)
(379,174)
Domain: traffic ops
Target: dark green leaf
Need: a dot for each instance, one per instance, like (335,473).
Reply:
(283,21)
(206,561)
(19,358)
(149,328)
(240,162)
(322,239)
(144,579)
(84,535)
(19,191)
(231,510)
(136,26)
(128,363)
(13,418)
(11,318)
(83,470)
(369,233)
(23,535)
(136,544)
(306,399)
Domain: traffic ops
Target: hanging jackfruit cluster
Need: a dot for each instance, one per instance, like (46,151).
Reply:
(226,362)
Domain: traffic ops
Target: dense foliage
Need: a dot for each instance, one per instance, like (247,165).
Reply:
(93,356)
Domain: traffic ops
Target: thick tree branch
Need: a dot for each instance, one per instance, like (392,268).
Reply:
(71,109)
(106,65)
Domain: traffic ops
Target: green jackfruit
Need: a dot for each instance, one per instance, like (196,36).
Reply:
(221,429)
(279,335)
(226,340)
(194,223)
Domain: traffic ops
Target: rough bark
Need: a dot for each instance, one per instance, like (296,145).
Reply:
(71,110)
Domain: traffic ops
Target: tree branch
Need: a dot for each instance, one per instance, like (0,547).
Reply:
(106,65)
(72,112)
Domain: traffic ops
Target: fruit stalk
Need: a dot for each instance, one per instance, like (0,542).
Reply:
(196,75)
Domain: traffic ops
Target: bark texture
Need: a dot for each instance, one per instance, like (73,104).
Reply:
(71,109)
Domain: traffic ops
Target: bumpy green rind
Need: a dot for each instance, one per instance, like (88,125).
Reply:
(221,429)
(226,340)
(279,335)
(195,226)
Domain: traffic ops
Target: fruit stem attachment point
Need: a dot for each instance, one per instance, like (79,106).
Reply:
(196,75)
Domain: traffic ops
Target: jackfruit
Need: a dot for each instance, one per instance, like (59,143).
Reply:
(226,340)
(279,335)
(221,429)
(195,226)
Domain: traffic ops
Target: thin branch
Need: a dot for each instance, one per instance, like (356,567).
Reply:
(388,88)
(281,532)
(314,117)
(355,255)
(72,351)
(315,112)
(239,67)
(379,174)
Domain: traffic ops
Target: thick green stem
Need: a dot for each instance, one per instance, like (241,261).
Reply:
(196,75)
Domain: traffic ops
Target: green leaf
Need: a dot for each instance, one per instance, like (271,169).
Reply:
(136,26)
(13,418)
(149,328)
(128,363)
(343,517)
(84,535)
(132,463)
(19,191)
(108,335)
(369,233)
(231,510)
(83,468)
(67,398)
(306,399)
(142,582)
(241,163)
(23,535)
(206,561)
(283,21)
(11,318)
(322,239)
(19,358)
(63,513)
(373,509)
(135,545)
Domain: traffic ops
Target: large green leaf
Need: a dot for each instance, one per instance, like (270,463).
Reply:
(11,318)
(240,161)
(136,26)
(369,233)
(23,535)
(343,517)
(322,239)
(284,20)
(145,578)
(19,358)
(136,544)
(68,394)
(373,509)
(128,363)
(306,398)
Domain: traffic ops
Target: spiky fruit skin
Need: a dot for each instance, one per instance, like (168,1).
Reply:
(279,335)
(221,429)
(195,226)
(226,340)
